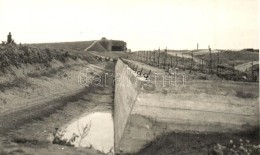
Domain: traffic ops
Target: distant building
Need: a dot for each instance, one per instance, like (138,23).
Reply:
(107,45)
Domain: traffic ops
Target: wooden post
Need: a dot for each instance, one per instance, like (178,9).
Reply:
(154,59)
(150,56)
(147,56)
(171,61)
(143,56)
(233,69)
(159,58)
(183,62)
(165,56)
(217,62)
(202,65)
(210,61)
(176,60)
(191,60)
(252,70)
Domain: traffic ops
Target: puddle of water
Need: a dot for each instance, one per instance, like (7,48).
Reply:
(95,129)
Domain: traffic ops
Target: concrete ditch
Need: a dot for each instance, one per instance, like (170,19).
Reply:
(142,113)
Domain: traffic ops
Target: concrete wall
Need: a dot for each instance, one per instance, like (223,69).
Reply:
(126,91)
(142,113)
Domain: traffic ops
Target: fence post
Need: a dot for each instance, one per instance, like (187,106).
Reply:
(143,56)
(252,70)
(159,58)
(140,56)
(148,52)
(210,61)
(202,65)
(217,62)
(147,56)
(165,56)
(154,63)
(233,69)
(171,61)
(191,60)
(150,57)
(176,60)
(183,62)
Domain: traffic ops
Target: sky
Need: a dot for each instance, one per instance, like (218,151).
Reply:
(143,24)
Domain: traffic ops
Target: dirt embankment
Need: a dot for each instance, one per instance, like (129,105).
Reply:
(40,91)
(29,75)
(34,133)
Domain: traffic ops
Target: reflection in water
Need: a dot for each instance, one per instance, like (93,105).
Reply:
(96,130)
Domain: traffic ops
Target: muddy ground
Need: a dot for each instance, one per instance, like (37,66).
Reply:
(30,131)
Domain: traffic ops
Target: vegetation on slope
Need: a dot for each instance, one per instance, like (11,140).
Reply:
(16,55)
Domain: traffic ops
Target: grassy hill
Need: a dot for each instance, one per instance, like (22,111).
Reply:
(16,55)
(78,46)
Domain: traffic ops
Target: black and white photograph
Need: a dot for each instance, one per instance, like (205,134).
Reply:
(129,77)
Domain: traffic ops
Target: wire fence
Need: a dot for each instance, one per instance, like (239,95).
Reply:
(213,65)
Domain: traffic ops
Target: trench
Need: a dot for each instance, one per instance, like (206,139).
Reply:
(88,115)
(94,129)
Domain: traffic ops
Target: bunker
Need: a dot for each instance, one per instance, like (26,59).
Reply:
(104,45)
